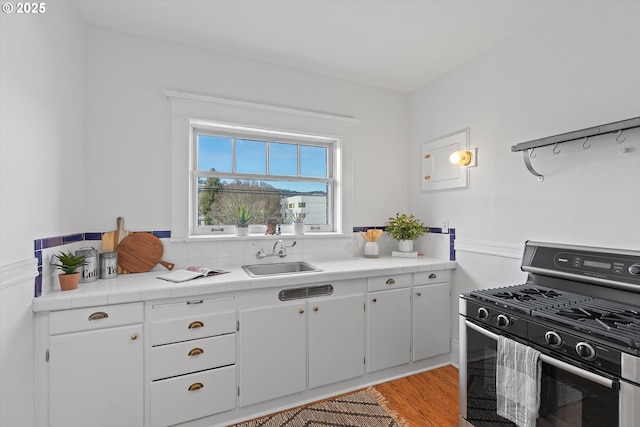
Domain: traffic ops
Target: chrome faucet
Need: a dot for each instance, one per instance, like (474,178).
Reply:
(282,252)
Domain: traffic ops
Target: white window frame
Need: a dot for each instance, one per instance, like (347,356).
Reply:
(199,127)
(188,109)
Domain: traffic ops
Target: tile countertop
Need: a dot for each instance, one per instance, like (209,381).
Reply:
(137,287)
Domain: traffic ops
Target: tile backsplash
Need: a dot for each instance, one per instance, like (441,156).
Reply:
(224,253)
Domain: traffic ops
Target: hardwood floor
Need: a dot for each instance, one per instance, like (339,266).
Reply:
(429,399)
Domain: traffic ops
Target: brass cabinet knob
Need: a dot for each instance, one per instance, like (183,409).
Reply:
(134,337)
(196,386)
(419,294)
(301,311)
(315,308)
(196,352)
(427,156)
(195,325)
(374,299)
(427,177)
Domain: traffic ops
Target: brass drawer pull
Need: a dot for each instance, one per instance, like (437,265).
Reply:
(196,352)
(98,315)
(196,386)
(433,276)
(315,308)
(301,311)
(390,282)
(196,325)
(374,299)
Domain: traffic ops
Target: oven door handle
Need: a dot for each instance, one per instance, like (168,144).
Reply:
(590,376)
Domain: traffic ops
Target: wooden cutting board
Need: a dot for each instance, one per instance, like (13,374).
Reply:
(112,239)
(140,252)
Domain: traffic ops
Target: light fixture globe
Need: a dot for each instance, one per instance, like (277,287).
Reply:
(461,158)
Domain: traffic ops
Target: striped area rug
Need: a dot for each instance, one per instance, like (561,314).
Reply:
(365,408)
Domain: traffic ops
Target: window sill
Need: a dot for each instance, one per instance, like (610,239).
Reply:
(258,236)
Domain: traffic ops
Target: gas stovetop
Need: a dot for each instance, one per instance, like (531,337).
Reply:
(606,320)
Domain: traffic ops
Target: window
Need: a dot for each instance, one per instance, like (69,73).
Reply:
(273,174)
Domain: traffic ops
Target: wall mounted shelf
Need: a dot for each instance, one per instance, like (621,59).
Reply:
(572,136)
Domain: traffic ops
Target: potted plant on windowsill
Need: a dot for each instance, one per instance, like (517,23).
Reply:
(244,216)
(405,229)
(69,264)
(297,221)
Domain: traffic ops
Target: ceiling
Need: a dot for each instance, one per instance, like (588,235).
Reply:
(394,44)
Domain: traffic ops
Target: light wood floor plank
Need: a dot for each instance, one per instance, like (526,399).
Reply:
(429,399)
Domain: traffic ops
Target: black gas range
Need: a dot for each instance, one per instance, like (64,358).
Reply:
(580,307)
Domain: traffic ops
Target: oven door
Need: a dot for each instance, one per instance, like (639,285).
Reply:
(570,396)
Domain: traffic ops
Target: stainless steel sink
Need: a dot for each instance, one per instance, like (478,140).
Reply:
(279,269)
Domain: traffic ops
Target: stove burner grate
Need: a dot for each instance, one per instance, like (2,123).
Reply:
(527,297)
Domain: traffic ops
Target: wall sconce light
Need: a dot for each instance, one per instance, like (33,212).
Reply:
(467,158)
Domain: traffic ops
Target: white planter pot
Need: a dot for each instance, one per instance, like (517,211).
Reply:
(371,250)
(405,245)
(242,230)
(298,228)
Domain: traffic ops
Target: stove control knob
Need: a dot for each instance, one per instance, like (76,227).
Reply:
(585,350)
(483,313)
(553,339)
(503,321)
(634,269)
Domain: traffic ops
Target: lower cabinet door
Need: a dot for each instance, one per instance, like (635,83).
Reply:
(336,339)
(189,397)
(95,378)
(431,335)
(389,329)
(272,352)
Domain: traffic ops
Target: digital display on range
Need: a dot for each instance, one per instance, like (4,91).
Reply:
(596,264)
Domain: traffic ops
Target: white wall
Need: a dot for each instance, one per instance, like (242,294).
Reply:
(128,124)
(578,68)
(41,166)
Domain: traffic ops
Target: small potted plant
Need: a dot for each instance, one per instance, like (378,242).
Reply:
(244,216)
(297,220)
(405,229)
(69,264)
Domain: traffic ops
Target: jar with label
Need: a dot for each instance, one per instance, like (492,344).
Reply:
(89,271)
(108,265)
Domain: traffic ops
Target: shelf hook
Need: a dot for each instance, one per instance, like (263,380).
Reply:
(584,143)
(618,140)
(533,156)
(556,148)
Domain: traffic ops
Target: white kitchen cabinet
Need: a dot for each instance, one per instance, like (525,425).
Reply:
(431,324)
(96,369)
(388,328)
(272,351)
(192,359)
(336,339)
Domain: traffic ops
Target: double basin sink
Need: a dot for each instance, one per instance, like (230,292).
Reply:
(279,269)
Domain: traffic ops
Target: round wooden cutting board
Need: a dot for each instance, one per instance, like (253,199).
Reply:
(140,252)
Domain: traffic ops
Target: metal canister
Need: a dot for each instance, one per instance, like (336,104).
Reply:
(88,272)
(108,265)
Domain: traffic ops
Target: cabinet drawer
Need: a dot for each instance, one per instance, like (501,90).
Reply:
(382,283)
(192,327)
(87,319)
(437,276)
(192,356)
(189,397)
